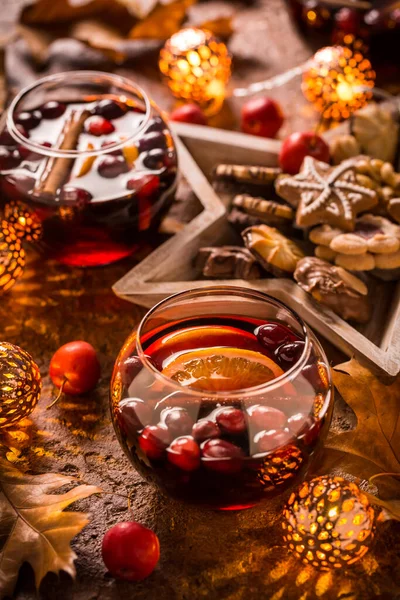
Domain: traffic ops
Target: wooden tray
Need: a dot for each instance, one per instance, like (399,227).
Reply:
(169,269)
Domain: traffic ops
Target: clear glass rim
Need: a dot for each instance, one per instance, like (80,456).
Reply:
(76,76)
(286,377)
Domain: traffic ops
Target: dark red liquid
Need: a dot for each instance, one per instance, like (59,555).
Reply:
(220,452)
(105,205)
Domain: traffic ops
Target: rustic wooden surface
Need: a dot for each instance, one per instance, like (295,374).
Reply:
(203,554)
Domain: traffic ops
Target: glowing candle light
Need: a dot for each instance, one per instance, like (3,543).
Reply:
(328,522)
(336,79)
(196,67)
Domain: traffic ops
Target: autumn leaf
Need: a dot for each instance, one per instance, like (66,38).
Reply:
(376,437)
(33,526)
(162,22)
(371,450)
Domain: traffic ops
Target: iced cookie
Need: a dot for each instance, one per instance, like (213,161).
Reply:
(276,253)
(334,287)
(266,210)
(325,194)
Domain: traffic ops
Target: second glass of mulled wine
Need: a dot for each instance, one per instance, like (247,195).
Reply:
(221,397)
(89,160)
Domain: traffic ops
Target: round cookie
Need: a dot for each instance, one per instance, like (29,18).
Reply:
(359,262)
(388,261)
(324,234)
(325,253)
(349,243)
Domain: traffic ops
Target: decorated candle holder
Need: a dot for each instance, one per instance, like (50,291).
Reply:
(20,384)
(336,80)
(328,522)
(196,67)
(25,221)
(12,256)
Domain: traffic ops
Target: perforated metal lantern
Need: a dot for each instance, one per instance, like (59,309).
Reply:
(12,256)
(328,522)
(337,78)
(196,67)
(20,384)
(25,222)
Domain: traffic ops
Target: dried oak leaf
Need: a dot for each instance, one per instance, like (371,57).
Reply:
(372,447)
(162,22)
(33,526)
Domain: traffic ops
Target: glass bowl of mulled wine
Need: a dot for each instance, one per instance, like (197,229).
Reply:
(222,397)
(89,156)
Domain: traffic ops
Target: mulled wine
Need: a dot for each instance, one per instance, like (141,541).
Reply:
(221,397)
(94,162)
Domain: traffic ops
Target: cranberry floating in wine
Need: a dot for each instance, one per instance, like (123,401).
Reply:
(93,158)
(213,400)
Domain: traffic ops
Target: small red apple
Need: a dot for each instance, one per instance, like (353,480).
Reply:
(299,145)
(262,116)
(189,113)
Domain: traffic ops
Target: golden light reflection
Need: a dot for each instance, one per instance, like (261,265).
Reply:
(12,256)
(26,223)
(196,67)
(336,80)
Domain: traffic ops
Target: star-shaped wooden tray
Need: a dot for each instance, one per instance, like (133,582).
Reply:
(169,269)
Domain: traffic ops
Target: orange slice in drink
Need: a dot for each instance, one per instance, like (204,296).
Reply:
(222,369)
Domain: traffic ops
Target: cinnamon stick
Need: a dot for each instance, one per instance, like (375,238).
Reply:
(57,168)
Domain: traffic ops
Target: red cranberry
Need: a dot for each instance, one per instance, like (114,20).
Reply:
(15,184)
(133,414)
(72,195)
(184,452)
(154,440)
(267,441)
(289,354)
(6,139)
(29,120)
(108,144)
(112,166)
(299,423)
(266,417)
(156,124)
(144,185)
(110,109)
(27,154)
(272,335)
(316,375)
(53,109)
(8,159)
(222,456)
(231,420)
(155,159)
(189,113)
(98,126)
(178,421)
(348,20)
(205,430)
(155,139)
(129,369)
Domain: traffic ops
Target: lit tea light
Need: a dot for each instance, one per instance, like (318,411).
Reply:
(197,67)
(337,79)
(328,522)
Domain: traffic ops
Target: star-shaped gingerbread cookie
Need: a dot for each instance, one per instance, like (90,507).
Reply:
(325,194)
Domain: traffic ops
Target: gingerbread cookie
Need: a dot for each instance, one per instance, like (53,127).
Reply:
(334,287)
(276,253)
(325,194)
